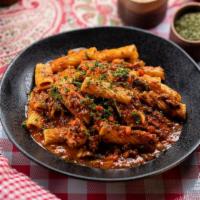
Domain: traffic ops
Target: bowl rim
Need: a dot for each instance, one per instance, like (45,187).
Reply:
(42,163)
(182,8)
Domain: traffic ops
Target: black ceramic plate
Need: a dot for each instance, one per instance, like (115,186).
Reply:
(182,74)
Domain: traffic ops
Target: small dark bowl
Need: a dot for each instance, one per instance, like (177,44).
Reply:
(192,47)
(18,81)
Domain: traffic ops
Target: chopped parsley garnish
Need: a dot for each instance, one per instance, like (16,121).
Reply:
(83,72)
(92,68)
(55,94)
(136,117)
(82,101)
(66,89)
(24,124)
(89,97)
(121,72)
(87,100)
(96,64)
(86,64)
(92,106)
(102,65)
(92,114)
(103,77)
(107,112)
(77,84)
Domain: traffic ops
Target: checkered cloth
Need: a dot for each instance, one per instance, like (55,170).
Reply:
(15,185)
(49,17)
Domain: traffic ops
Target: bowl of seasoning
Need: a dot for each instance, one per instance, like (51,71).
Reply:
(185,29)
(142,13)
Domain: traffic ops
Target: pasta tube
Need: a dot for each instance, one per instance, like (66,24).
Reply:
(126,52)
(154,84)
(43,76)
(73,100)
(130,115)
(34,120)
(106,90)
(154,71)
(37,100)
(74,134)
(72,59)
(70,74)
(172,107)
(54,135)
(124,135)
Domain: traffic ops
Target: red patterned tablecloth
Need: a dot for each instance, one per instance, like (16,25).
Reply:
(31,20)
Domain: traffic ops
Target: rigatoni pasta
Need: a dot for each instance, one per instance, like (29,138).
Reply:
(34,120)
(54,135)
(74,58)
(43,76)
(103,108)
(106,90)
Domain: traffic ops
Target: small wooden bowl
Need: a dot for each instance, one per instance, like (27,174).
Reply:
(143,14)
(192,47)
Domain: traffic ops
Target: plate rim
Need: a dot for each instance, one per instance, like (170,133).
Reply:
(42,163)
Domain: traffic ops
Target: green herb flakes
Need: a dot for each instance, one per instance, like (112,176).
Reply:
(107,112)
(55,94)
(24,124)
(103,77)
(66,90)
(121,72)
(92,106)
(136,117)
(188,26)
(83,72)
(82,101)
(92,68)
(96,64)
(77,84)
